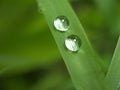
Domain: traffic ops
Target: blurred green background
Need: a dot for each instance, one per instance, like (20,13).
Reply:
(29,57)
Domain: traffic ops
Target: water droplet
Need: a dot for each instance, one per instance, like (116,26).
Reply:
(73,43)
(61,23)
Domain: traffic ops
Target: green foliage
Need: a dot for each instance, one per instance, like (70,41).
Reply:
(30,59)
(83,70)
(113,75)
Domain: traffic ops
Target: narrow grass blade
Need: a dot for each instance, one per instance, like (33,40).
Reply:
(83,65)
(113,75)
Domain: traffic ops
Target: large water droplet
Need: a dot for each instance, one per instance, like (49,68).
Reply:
(73,43)
(61,23)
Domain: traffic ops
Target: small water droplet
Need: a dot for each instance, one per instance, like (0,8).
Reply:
(73,43)
(61,23)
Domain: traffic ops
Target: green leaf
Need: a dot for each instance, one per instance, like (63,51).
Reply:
(113,75)
(84,66)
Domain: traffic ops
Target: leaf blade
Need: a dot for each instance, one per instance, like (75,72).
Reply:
(83,66)
(113,75)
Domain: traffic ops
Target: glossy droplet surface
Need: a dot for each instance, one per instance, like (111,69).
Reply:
(73,43)
(61,23)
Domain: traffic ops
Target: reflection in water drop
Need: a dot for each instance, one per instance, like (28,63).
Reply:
(73,43)
(61,23)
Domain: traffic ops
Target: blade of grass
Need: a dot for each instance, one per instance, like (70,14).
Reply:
(113,75)
(83,66)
